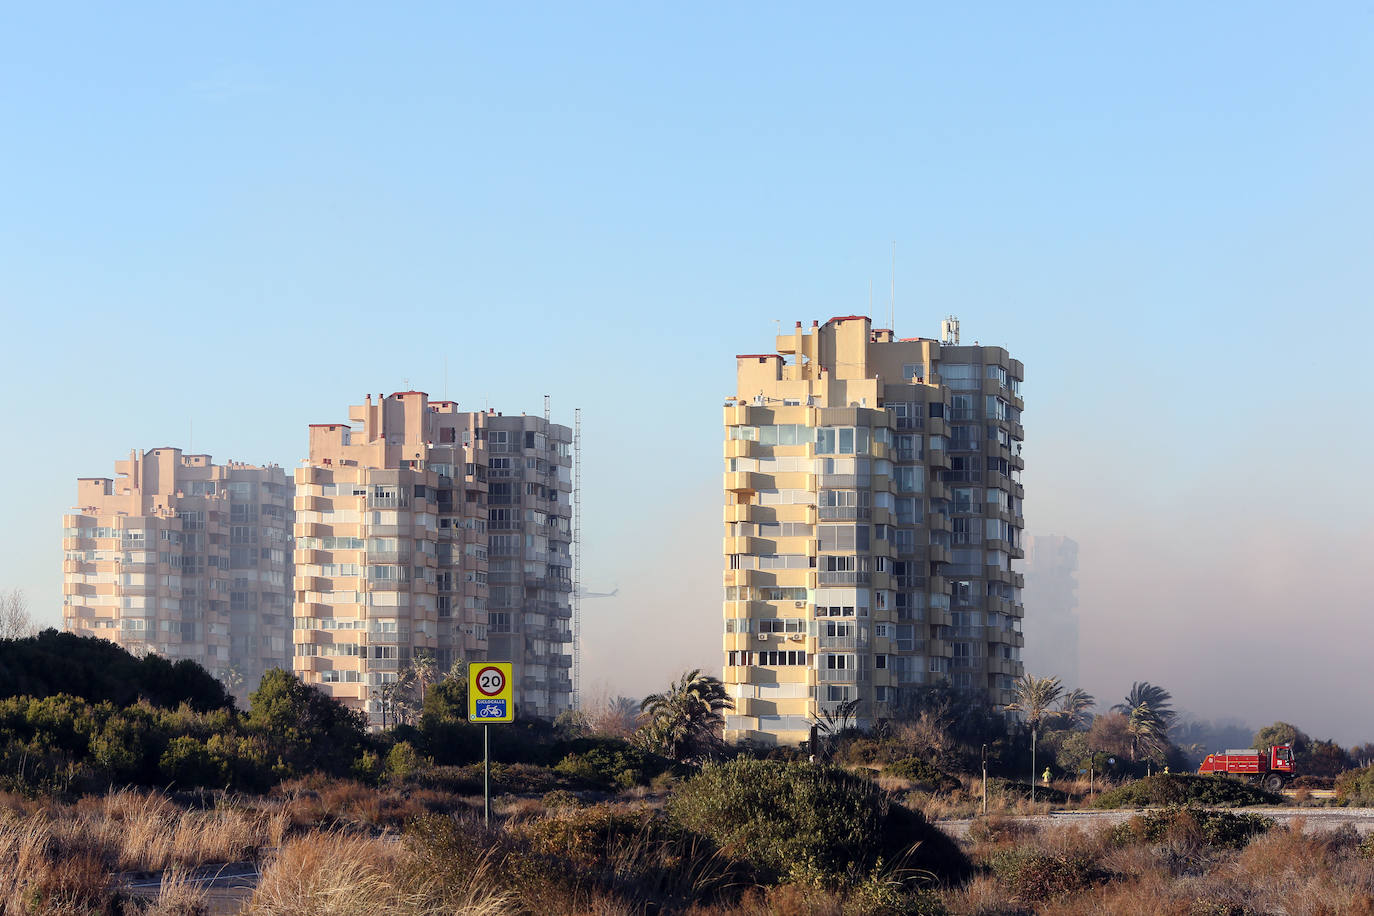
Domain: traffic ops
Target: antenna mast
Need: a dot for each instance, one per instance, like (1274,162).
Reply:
(546,408)
(577,559)
(892,304)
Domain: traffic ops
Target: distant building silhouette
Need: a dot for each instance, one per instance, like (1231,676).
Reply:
(185,558)
(1051,599)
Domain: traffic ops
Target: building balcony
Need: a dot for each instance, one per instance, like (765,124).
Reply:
(743,448)
(937,459)
(748,545)
(937,490)
(843,481)
(939,554)
(844,577)
(844,513)
(746,481)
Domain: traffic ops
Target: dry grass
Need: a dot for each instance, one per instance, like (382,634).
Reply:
(335,874)
(137,831)
(965,801)
(178,896)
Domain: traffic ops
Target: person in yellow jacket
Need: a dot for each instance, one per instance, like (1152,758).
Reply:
(1045,776)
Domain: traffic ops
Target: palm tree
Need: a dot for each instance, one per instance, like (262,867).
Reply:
(1034,697)
(1149,713)
(425,670)
(832,722)
(1075,705)
(684,721)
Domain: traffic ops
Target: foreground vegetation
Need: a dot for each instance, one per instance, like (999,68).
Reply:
(115,766)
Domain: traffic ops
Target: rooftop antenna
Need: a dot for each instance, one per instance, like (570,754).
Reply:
(892,303)
(949,331)
(546,408)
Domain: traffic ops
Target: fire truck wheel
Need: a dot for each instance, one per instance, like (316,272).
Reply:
(1274,783)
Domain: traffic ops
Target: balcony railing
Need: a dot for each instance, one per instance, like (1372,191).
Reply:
(842,676)
(844,513)
(830,481)
(846,577)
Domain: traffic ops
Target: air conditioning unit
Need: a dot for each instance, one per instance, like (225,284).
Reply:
(763,637)
(799,604)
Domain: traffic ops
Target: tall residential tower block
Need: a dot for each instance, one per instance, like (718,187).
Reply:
(186,558)
(394,512)
(873,512)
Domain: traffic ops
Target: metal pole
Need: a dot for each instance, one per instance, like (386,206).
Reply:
(486,774)
(985,780)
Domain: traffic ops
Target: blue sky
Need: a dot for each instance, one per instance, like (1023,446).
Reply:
(1164,211)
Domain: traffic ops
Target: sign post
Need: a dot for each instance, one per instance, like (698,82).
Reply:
(490,699)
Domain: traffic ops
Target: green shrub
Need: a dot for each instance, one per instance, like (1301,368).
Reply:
(782,817)
(187,762)
(1033,875)
(1356,787)
(402,760)
(1186,789)
(560,798)
(922,771)
(617,765)
(1224,829)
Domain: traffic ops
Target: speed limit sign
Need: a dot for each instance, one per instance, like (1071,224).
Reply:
(490,693)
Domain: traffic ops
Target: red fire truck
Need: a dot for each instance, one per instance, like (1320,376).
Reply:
(1269,770)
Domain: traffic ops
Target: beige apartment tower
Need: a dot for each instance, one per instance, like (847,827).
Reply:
(873,511)
(392,549)
(529,527)
(186,558)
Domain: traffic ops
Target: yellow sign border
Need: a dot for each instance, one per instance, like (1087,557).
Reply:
(507,692)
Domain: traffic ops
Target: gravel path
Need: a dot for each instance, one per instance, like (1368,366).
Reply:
(1313,818)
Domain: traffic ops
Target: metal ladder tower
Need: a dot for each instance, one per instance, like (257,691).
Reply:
(577,560)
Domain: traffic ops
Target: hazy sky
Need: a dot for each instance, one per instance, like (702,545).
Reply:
(246,217)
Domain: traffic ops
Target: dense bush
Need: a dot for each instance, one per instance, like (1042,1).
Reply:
(593,859)
(922,771)
(97,670)
(1033,875)
(61,743)
(612,764)
(1186,789)
(1356,787)
(1225,829)
(785,817)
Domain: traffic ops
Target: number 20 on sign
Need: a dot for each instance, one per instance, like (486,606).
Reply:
(490,695)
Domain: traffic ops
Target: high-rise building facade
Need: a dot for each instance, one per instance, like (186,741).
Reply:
(873,511)
(529,526)
(186,558)
(1052,602)
(392,539)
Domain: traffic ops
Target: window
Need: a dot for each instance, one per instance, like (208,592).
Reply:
(960,376)
(841,440)
(781,658)
(909,479)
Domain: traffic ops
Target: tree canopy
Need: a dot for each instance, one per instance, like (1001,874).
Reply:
(99,671)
